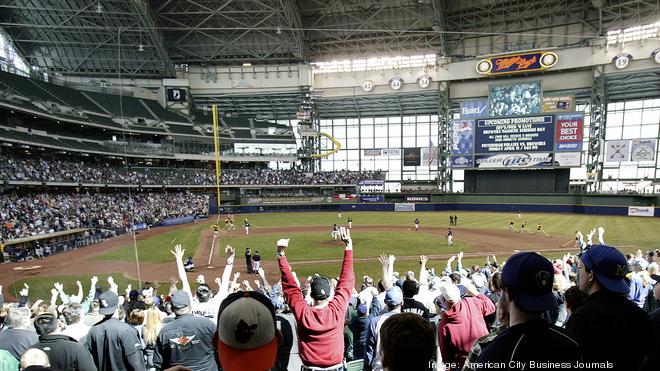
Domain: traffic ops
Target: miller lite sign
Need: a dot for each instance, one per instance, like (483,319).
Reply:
(516,63)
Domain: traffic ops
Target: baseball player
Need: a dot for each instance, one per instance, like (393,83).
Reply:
(416,224)
(246,225)
(451,219)
(519,215)
(511,226)
(523,226)
(350,222)
(339,214)
(256,259)
(539,228)
(450,236)
(335,232)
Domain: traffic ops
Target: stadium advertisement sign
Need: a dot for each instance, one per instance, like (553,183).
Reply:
(517,63)
(372,182)
(514,161)
(474,108)
(558,103)
(617,150)
(568,159)
(391,152)
(568,133)
(404,207)
(641,211)
(514,134)
(462,161)
(378,198)
(462,137)
(418,198)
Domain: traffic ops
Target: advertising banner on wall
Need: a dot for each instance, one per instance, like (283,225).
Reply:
(514,160)
(641,211)
(617,150)
(462,161)
(642,150)
(568,159)
(418,198)
(462,137)
(372,152)
(379,198)
(568,131)
(404,207)
(391,152)
(372,182)
(515,134)
(474,108)
(558,103)
(412,156)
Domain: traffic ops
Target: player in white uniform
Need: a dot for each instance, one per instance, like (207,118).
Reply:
(335,232)
(350,222)
(246,225)
(450,237)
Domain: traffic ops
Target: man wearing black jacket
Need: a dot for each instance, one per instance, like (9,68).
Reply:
(114,344)
(64,352)
(187,340)
(612,331)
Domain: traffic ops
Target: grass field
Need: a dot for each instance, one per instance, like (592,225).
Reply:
(627,233)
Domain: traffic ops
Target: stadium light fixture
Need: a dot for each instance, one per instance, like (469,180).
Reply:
(140,48)
(375,63)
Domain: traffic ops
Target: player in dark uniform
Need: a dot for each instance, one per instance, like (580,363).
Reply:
(451,219)
(246,225)
(248,259)
(416,224)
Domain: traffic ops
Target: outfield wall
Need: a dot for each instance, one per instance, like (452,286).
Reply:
(551,203)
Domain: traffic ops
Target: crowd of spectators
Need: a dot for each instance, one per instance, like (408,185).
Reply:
(574,312)
(51,170)
(32,214)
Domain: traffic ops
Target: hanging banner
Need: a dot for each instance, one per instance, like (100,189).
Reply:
(391,152)
(412,156)
(462,137)
(516,63)
(642,150)
(372,152)
(425,157)
(558,103)
(474,108)
(568,131)
(617,150)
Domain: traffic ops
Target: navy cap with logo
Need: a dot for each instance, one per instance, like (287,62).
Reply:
(320,288)
(609,265)
(108,302)
(528,276)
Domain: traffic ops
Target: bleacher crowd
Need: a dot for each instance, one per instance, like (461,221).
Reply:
(576,312)
(52,170)
(32,214)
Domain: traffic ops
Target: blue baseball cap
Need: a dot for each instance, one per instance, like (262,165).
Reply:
(609,265)
(529,276)
(393,296)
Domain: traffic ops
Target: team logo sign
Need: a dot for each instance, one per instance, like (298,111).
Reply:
(516,63)
(424,81)
(622,60)
(396,83)
(367,85)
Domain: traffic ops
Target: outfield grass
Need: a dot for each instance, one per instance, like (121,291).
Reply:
(156,249)
(40,286)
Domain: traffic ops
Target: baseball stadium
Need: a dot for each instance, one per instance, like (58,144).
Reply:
(403,184)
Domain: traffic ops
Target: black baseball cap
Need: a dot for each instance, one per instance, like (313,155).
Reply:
(320,288)
(108,302)
(529,277)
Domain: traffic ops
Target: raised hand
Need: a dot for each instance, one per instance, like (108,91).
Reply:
(200,279)
(178,252)
(261,272)
(94,281)
(128,289)
(218,281)
(78,284)
(59,286)
(345,236)
(451,260)
(230,254)
(383,259)
(423,259)
(113,285)
(236,275)
(53,292)
(460,255)
(25,290)
(391,259)
(257,283)
(282,244)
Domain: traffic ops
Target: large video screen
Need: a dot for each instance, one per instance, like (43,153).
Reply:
(533,141)
(515,99)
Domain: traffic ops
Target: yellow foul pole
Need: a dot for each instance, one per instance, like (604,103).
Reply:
(216,143)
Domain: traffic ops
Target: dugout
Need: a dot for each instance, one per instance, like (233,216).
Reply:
(517,181)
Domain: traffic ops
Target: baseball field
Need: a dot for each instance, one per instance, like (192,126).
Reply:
(312,249)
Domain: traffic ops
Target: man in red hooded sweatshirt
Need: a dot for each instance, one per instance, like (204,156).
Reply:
(462,322)
(321,326)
